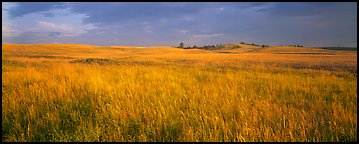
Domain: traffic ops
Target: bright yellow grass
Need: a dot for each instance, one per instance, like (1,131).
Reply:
(167,94)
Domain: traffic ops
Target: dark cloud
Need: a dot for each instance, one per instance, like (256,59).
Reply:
(120,12)
(308,8)
(163,23)
(23,8)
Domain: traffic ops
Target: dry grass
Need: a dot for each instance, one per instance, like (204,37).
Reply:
(88,93)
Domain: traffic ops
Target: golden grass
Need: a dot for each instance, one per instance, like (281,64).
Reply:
(166,94)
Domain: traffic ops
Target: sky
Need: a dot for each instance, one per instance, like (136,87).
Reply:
(170,23)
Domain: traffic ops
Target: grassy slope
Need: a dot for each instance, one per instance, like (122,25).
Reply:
(166,94)
(236,47)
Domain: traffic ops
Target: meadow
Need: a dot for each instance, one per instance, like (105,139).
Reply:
(73,92)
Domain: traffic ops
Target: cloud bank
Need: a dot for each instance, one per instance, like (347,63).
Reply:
(167,23)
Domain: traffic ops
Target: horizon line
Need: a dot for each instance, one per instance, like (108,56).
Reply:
(176,46)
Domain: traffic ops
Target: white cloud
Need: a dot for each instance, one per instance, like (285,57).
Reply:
(219,9)
(62,24)
(260,7)
(55,27)
(181,31)
(63,28)
(147,27)
(7,28)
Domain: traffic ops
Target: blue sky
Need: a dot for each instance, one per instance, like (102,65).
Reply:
(169,23)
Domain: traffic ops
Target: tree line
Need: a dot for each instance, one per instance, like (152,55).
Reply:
(219,46)
(206,47)
(255,44)
(268,45)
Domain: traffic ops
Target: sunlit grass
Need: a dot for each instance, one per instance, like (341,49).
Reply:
(183,97)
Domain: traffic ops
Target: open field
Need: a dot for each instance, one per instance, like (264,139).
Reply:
(73,92)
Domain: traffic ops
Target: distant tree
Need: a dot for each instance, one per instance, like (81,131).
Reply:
(220,45)
(181,45)
(195,46)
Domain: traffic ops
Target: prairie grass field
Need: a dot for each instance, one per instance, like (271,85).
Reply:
(73,92)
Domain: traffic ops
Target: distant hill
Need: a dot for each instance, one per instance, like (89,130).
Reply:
(241,47)
(250,48)
(340,48)
(258,48)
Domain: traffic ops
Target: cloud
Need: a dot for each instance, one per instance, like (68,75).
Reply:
(30,37)
(181,31)
(49,14)
(8,30)
(52,21)
(288,9)
(54,33)
(52,26)
(162,23)
(122,12)
(147,27)
(7,27)
(63,28)
(207,35)
(23,8)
